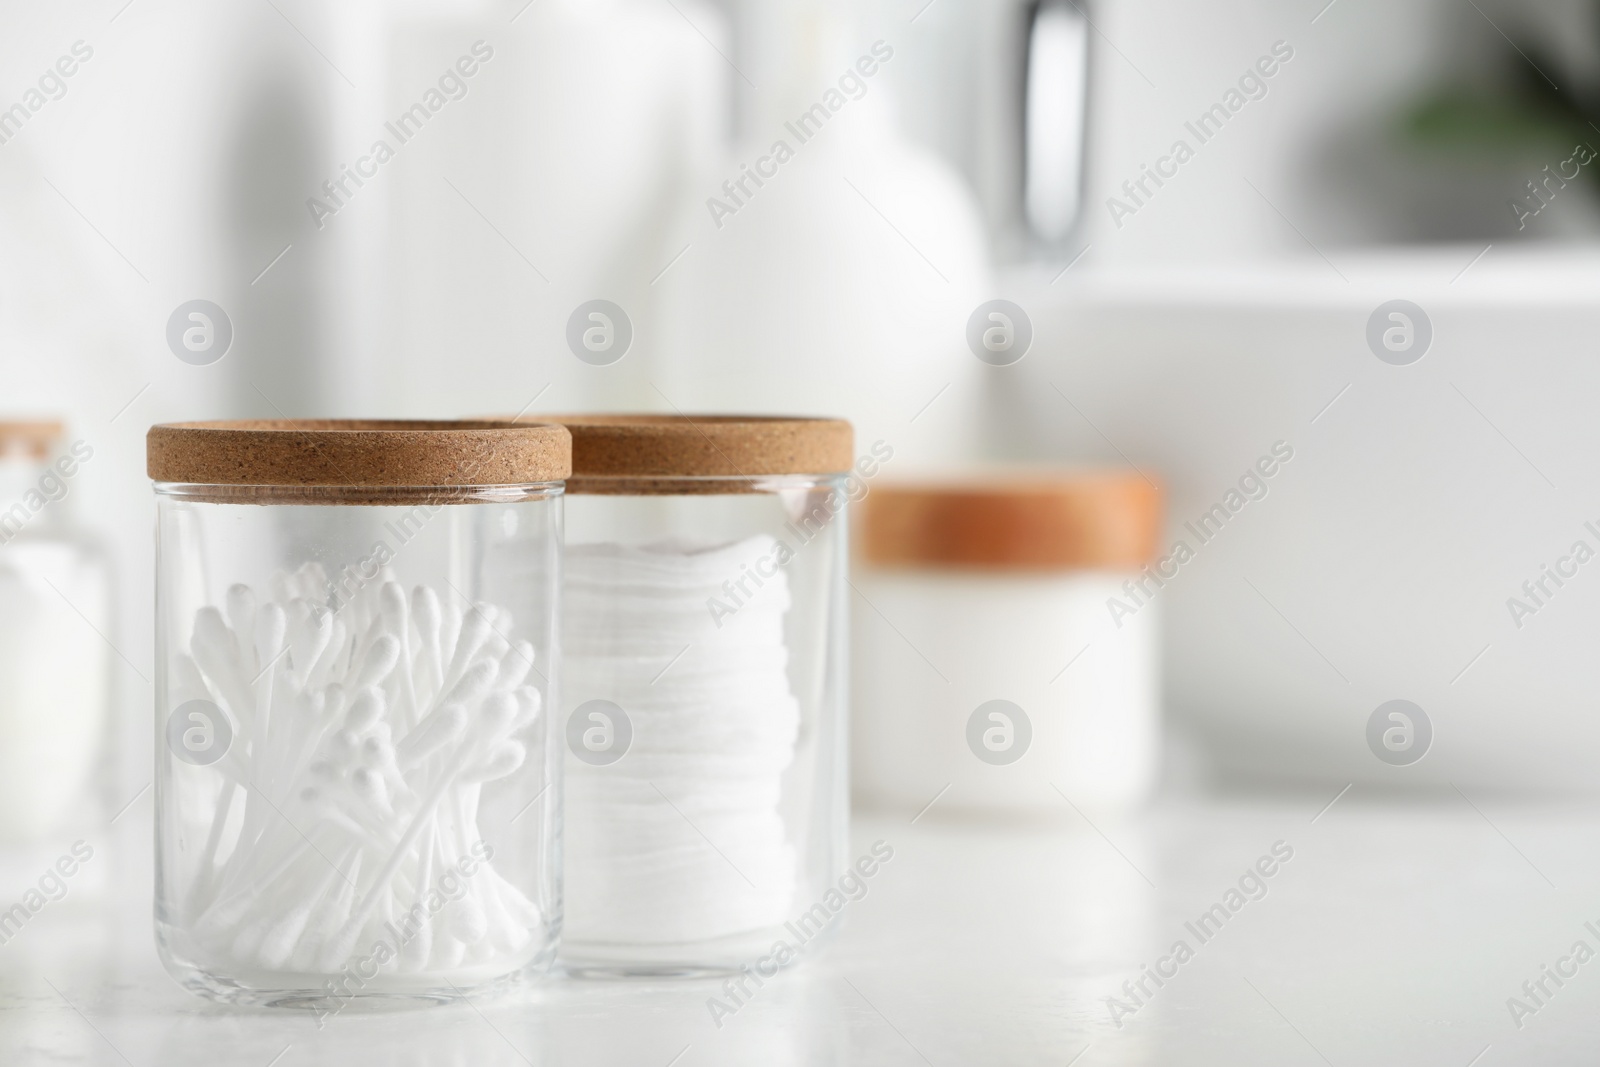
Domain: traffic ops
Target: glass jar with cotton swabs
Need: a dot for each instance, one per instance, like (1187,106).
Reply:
(357,794)
(703,691)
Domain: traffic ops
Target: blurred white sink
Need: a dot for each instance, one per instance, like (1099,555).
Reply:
(1418,500)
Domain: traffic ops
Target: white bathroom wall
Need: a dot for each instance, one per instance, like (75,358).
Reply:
(1321,159)
(1161,65)
(549,185)
(173,167)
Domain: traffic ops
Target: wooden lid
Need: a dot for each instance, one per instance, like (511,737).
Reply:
(31,437)
(637,449)
(339,455)
(1025,521)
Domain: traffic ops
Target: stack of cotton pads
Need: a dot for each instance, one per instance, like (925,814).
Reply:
(682,839)
(360,743)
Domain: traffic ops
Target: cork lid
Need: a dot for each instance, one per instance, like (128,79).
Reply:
(1038,520)
(356,460)
(671,453)
(33,438)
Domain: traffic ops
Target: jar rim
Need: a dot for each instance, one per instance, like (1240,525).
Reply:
(701,485)
(360,496)
(358,455)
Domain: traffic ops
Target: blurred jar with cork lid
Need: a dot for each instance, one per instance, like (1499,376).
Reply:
(55,622)
(1000,662)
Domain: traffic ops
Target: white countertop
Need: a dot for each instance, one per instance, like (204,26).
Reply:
(1394,935)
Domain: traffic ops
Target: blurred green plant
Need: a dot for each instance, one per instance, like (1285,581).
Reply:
(1527,115)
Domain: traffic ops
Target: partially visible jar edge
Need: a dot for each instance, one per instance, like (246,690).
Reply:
(694,485)
(360,495)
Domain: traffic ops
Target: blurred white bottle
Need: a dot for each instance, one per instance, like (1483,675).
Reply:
(829,266)
(55,610)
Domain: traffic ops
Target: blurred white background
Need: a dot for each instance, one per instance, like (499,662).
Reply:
(1226,314)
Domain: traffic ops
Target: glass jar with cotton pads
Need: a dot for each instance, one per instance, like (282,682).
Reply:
(1006,649)
(357,777)
(704,691)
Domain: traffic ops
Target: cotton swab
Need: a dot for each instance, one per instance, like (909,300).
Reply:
(361,738)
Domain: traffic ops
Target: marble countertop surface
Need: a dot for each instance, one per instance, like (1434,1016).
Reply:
(1367,932)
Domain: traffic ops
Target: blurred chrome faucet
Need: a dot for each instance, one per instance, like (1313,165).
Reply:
(1054,120)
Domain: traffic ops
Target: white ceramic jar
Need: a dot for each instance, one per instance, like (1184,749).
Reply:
(1006,644)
